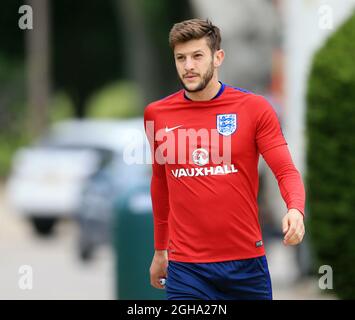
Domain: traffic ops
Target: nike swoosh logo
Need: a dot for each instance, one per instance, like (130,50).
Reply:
(171,129)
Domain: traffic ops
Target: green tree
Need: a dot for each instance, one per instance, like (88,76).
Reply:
(86,48)
(121,99)
(330,179)
(12,84)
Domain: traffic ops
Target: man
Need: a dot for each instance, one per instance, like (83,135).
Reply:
(208,242)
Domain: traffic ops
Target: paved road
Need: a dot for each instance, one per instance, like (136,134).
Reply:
(59,274)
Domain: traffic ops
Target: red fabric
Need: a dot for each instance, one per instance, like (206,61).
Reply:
(290,182)
(208,212)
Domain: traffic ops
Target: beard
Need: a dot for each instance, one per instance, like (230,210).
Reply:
(206,78)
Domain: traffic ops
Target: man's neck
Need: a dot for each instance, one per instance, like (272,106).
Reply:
(206,94)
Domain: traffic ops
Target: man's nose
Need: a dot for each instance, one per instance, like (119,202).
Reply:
(189,65)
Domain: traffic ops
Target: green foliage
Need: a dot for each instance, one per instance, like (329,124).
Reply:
(61,107)
(12,110)
(12,38)
(8,145)
(117,100)
(86,47)
(330,179)
(159,17)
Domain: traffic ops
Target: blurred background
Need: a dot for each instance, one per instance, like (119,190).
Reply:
(75,76)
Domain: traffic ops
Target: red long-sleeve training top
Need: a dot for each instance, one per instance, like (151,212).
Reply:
(205,173)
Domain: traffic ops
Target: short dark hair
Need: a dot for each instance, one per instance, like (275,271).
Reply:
(195,29)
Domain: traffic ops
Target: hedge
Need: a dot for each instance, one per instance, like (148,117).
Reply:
(330,177)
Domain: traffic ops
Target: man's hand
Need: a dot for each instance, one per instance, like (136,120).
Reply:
(293,227)
(158,268)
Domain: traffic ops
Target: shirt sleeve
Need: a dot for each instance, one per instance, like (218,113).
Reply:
(268,130)
(289,179)
(159,189)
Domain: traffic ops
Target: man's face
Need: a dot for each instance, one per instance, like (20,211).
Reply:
(195,64)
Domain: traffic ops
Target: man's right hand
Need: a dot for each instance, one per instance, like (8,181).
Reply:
(158,268)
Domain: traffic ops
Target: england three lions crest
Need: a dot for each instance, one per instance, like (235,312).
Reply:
(226,123)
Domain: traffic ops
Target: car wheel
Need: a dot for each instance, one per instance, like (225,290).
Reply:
(43,226)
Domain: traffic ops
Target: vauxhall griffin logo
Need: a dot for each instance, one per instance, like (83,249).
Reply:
(200,157)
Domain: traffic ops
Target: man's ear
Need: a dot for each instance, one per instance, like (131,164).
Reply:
(218,58)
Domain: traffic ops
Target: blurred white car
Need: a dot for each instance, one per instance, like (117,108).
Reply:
(47,179)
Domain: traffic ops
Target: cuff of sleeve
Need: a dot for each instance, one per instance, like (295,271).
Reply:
(300,209)
(161,236)
(160,248)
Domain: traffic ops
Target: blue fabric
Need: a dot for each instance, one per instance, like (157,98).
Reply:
(220,91)
(240,89)
(247,279)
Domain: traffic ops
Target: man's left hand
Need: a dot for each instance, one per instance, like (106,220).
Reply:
(293,227)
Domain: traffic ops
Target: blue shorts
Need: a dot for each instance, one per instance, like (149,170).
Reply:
(247,279)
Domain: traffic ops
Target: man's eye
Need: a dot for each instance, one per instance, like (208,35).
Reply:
(180,58)
(198,55)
